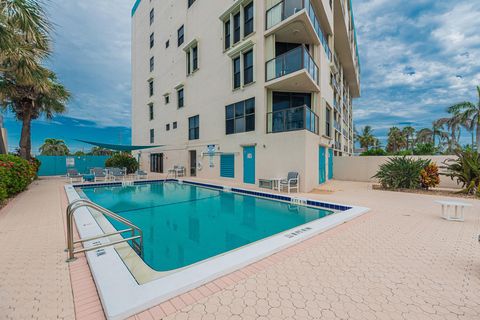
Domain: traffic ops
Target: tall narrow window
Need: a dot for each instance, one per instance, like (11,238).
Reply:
(150,111)
(180,98)
(167,127)
(152,64)
(167,98)
(327,121)
(180,34)
(152,16)
(167,43)
(152,135)
(195,58)
(190,2)
(248,67)
(150,88)
(194,128)
(248,17)
(152,40)
(236,73)
(227,34)
(189,67)
(236,27)
(174,125)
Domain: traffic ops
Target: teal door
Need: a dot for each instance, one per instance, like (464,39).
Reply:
(321,165)
(249,165)
(330,164)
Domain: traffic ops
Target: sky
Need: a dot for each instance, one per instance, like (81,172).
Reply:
(417,58)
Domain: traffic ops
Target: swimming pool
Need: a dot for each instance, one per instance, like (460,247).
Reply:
(183,224)
(193,233)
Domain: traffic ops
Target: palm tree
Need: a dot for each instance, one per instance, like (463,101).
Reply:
(424,136)
(27,88)
(99,151)
(366,139)
(408,132)
(42,95)
(54,147)
(396,140)
(437,128)
(469,113)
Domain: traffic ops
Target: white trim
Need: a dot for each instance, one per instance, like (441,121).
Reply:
(122,296)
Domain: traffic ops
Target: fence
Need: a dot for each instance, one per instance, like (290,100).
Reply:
(363,168)
(57,165)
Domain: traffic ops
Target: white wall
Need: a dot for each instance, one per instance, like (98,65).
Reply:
(363,168)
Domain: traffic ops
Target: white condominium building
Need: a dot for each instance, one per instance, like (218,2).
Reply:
(244,90)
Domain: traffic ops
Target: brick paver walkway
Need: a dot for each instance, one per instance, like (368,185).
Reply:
(34,278)
(399,261)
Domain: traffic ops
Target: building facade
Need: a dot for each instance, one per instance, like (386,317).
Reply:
(244,90)
(3,138)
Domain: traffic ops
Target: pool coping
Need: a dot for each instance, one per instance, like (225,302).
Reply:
(122,296)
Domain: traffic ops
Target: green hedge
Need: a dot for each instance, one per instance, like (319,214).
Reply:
(122,160)
(15,175)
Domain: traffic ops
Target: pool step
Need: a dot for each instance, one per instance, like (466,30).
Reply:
(298,201)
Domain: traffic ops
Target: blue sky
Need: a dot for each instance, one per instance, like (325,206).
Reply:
(417,57)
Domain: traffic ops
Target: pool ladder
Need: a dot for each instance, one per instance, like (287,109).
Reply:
(136,238)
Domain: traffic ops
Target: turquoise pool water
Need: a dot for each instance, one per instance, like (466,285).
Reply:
(183,224)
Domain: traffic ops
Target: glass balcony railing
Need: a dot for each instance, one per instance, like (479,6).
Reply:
(287,8)
(291,119)
(291,61)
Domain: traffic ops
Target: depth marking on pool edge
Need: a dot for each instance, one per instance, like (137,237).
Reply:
(297,232)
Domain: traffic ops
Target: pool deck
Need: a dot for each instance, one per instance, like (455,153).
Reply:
(399,261)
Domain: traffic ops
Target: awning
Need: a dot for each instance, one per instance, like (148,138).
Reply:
(118,147)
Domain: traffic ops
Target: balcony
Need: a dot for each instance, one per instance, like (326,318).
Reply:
(295,21)
(336,105)
(293,70)
(335,84)
(338,145)
(292,119)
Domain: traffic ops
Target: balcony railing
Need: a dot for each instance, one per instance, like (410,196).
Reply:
(338,145)
(335,84)
(296,59)
(336,105)
(287,8)
(298,118)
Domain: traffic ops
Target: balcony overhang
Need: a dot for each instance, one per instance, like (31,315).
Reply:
(345,52)
(298,81)
(295,29)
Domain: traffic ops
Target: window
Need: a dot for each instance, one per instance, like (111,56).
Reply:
(174,125)
(227,34)
(167,98)
(180,35)
(152,135)
(152,63)
(152,16)
(150,88)
(195,58)
(192,58)
(180,98)
(167,44)
(248,17)
(190,2)
(236,27)
(167,127)
(150,111)
(248,67)
(240,117)
(189,65)
(328,113)
(152,40)
(194,128)
(236,73)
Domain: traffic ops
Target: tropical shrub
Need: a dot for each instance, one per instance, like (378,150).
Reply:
(429,176)
(465,169)
(123,160)
(401,173)
(15,175)
(424,149)
(374,152)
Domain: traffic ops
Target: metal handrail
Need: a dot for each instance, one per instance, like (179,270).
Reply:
(136,232)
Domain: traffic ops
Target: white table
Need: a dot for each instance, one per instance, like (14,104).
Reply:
(276,183)
(450,209)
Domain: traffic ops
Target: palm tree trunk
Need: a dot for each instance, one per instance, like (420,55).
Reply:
(25,138)
(478,134)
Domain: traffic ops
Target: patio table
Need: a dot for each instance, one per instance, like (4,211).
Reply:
(455,214)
